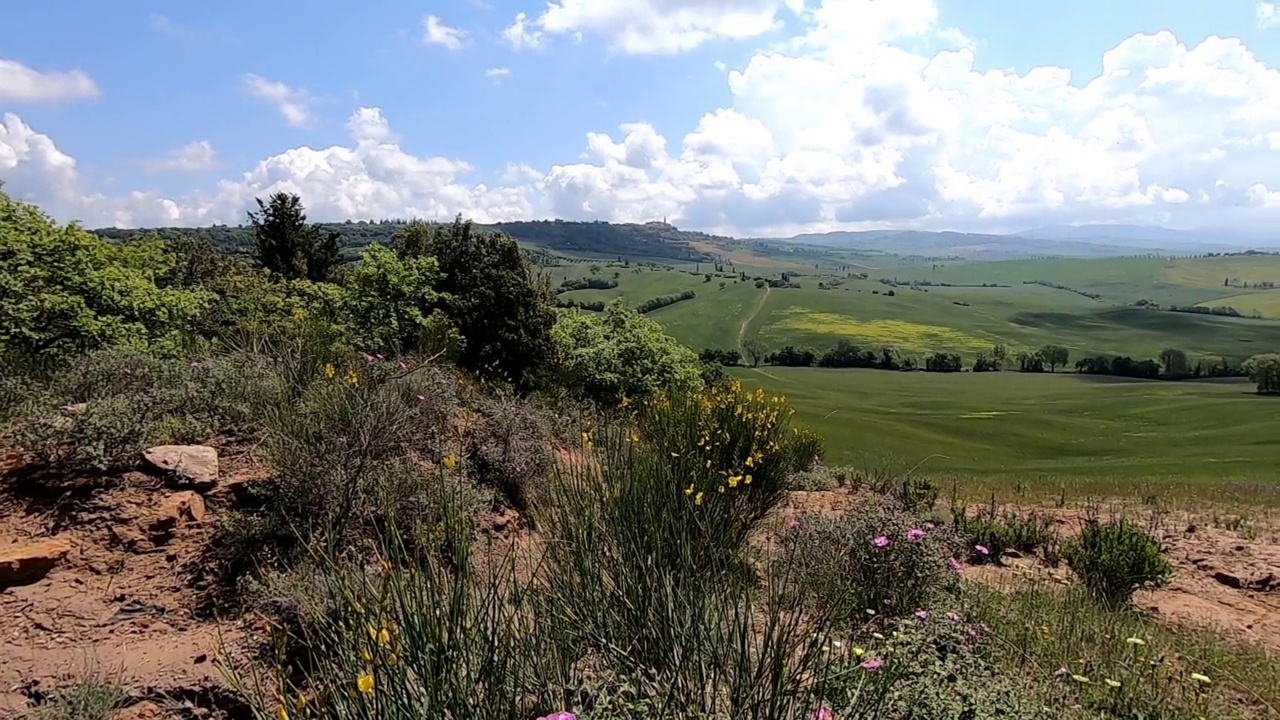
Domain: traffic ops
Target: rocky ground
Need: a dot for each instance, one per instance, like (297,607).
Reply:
(105,575)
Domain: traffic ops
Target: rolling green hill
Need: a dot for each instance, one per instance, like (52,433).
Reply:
(588,239)
(1089,433)
(951,319)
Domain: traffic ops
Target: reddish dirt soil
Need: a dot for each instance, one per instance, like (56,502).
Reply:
(123,599)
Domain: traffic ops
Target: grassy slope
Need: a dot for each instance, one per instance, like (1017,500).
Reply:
(1033,428)
(1266,304)
(916,322)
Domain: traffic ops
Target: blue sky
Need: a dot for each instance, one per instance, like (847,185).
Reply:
(742,116)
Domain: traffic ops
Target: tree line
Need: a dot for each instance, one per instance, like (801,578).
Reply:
(1172,364)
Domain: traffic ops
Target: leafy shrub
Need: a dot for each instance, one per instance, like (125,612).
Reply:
(1117,558)
(68,291)
(104,408)
(391,305)
(875,556)
(509,447)
(345,454)
(823,477)
(621,354)
(935,667)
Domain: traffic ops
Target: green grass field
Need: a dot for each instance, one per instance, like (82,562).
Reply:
(1051,433)
(915,322)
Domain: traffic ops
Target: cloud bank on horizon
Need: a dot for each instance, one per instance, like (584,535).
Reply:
(840,114)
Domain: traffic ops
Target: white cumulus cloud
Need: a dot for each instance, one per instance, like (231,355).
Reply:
(518,35)
(1267,14)
(192,157)
(294,104)
(847,124)
(497,72)
(22,84)
(650,26)
(435,32)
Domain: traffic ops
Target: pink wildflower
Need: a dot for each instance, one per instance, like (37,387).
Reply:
(953,617)
(881,541)
(795,524)
(562,715)
(822,713)
(954,564)
(982,549)
(872,665)
(922,614)
(915,534)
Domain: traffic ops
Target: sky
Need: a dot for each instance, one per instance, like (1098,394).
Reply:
(741,117)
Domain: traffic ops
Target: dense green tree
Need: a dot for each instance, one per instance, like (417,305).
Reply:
(503,309)
(1055,356)
(755,349)
(1265,371)
(1175,363)
(999,356)
(391,305)
(287,246)
(64,290)
(620,353)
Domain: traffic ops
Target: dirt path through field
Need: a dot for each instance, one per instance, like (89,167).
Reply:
(742,331)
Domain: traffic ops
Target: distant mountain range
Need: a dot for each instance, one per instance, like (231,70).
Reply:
(1060,240)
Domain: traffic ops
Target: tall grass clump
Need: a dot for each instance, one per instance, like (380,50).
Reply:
(404,631)
(646,556)
(723,458)
(1115,559)
(1094,660)
(991,531)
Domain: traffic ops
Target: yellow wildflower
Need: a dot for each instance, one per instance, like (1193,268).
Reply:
(750,461)
(734,480)
(1202,679)
(329,370)
(1112,683)
(451,461)
(1136,641)
(859,652)
(282,713)
(746,480)
(351,378)
(688,490)
(1080,678)
(384,637)
(697,499)
(366,655)
(722,488)
(364,683)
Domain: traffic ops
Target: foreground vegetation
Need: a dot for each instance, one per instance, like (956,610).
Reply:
(653,571)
